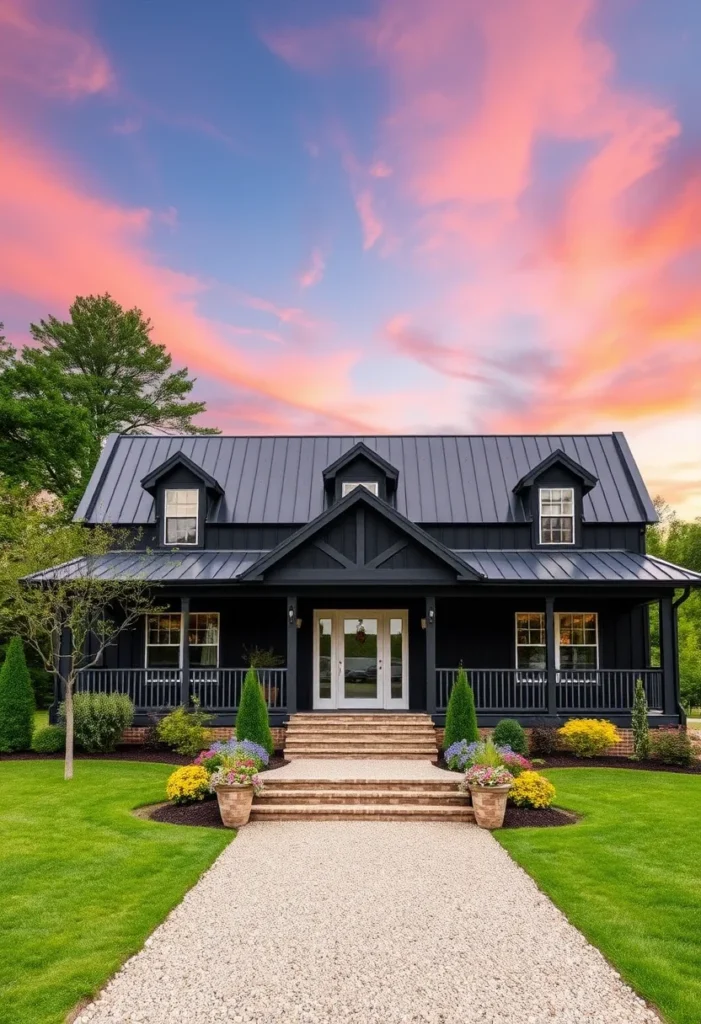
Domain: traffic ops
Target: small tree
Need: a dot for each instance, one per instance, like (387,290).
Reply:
(639,723)
(252,718)
(16,700)
(84,609)
(461,717)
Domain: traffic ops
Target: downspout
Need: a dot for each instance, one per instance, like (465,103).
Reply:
(686,593)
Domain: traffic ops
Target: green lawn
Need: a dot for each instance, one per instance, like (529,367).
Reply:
(83,881)
(628,876)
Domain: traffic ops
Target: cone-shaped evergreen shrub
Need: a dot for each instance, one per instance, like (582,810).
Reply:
(639,724)
(252,720)
(16,700)
(508,733)
(461,717)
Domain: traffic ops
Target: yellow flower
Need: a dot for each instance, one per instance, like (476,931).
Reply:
(187,784)
(532,790)
(587,737)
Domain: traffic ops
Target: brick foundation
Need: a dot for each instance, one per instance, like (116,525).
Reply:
(139,734)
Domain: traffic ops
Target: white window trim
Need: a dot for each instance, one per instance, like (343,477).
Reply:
(204,668)
(557,641)
(517,644)
(147,644)
(555,543)
(166,517)
(350,485)
(182,639)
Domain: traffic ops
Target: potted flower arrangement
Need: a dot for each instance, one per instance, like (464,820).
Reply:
(235,782)
(489,787)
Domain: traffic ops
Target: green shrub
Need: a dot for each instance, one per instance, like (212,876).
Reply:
(51,739)
(544,740)
(460,717)
(671,746)
(508,733)
(252,718)
(639,723)
(588,737)
(185,731)
(16,700)
(99,719)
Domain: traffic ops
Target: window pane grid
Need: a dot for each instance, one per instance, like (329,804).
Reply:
(181,509)
(557,515)
(530,640)
(578,641)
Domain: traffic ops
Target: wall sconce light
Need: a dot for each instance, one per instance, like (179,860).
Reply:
(299,623)
(431,616)
(291,614)
(423,623)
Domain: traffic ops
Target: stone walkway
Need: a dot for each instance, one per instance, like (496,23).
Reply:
(366,923)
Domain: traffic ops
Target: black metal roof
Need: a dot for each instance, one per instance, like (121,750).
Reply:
(442,479)
(591,566)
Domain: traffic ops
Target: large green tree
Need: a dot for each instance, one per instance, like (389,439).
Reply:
(679,541)
(96,373)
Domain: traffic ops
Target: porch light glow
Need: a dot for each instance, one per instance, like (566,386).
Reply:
(431,616)
(291,614)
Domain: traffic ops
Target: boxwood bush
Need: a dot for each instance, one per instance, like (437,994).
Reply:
(508,733)
(99,719)
(51,739)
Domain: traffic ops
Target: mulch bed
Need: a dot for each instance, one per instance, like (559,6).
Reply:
(537,817)
(568,761)
(205,814)
(126,753)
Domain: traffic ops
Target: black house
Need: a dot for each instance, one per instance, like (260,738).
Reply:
(372,568)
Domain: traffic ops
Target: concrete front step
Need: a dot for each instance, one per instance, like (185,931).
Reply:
(360,716)
(365,812)
(350,755)
(429,785)
(366,795)
(359,742)
(351,728)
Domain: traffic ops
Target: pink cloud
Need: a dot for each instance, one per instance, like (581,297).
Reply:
(48,58)
(371,224)
(314,270)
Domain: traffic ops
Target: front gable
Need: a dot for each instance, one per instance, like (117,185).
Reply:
(360,540)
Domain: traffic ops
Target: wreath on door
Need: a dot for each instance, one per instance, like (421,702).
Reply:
(360,632)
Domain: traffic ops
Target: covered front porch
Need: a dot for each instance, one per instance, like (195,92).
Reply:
(528,656)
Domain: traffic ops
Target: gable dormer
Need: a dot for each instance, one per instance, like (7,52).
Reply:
(184,495)
(360,466)
(552,493)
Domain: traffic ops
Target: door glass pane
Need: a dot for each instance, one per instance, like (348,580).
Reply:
(360,658)
(325,659)
(396,655)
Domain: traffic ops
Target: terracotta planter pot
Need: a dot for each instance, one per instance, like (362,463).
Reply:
(235,804)
(489,805)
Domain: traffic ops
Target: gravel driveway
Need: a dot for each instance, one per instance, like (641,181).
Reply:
(361,922)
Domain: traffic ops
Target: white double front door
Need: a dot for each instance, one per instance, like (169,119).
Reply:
(361,659)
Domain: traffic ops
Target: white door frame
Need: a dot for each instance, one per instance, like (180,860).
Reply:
(384,658)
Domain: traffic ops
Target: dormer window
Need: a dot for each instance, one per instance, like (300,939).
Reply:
(556,515)
(350,485)
(181,515)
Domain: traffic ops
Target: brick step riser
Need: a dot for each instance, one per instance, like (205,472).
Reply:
(345,755)
(359,813)
(329,785)
(364,744)
(360,726)
(396,800)
(359,716)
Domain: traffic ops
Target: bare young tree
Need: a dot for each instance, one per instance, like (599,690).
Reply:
(82,604)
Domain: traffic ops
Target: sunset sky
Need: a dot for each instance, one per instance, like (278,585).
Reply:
(375,216)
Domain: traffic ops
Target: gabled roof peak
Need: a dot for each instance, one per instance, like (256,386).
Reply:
(557,458)
(150,481)
(361,450)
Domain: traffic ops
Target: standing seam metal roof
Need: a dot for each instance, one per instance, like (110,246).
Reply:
(442,479)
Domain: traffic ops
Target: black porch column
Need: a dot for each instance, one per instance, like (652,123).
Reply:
(550,655)
(667,654)
(62,666)
(292,654)
(185,652)
(431,655)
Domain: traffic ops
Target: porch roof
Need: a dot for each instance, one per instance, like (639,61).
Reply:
(581,566)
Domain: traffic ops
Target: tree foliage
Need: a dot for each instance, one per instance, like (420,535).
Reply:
(97,373)
(252,719)
(639,723)
(16,701)
(461,717)
(679,541)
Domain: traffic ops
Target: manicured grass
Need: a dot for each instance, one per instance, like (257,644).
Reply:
(82,881)
(693,723)
(628,876)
